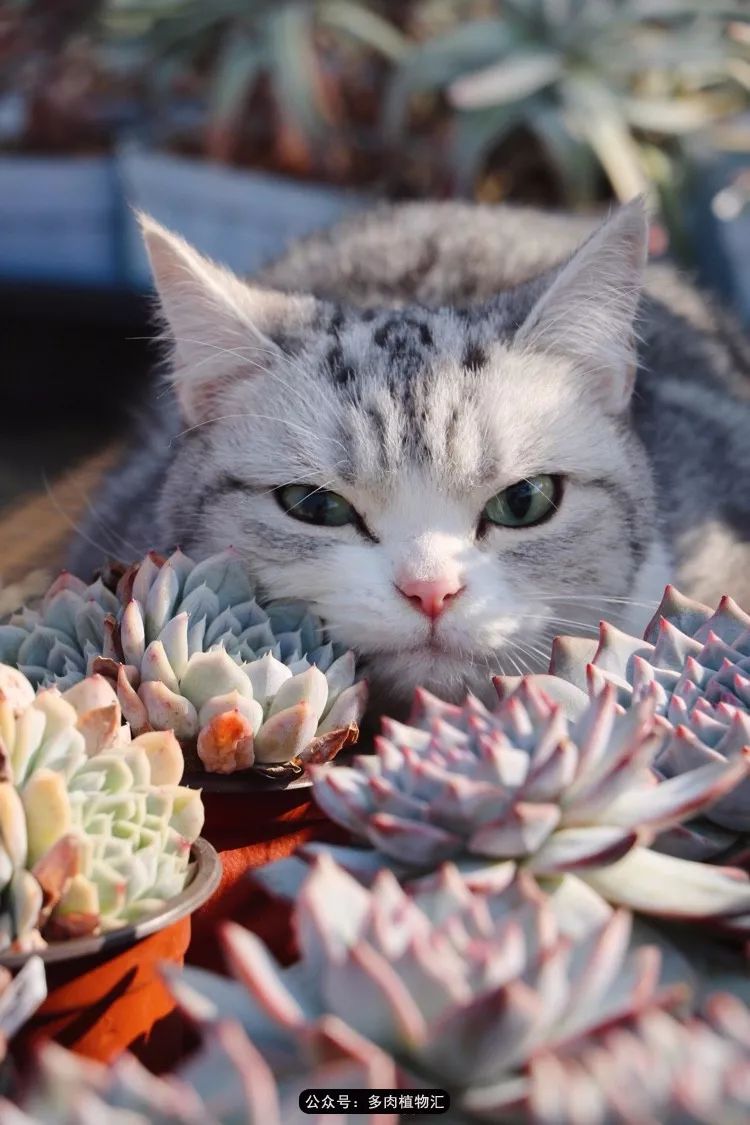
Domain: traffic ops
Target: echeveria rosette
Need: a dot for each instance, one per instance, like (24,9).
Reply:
(558,797)
(95,829)
(462,987)
(476,991)
(696,663)
(226,1082)
(694,1071)
(189,649)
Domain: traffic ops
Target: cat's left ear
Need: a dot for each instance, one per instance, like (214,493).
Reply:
(587,314)
(219,326)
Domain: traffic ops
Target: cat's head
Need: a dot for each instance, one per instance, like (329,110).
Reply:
(448,488)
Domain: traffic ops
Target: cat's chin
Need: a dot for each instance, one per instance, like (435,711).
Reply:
(394,676)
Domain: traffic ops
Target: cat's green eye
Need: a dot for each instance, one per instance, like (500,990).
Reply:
(315,505)
(523,504)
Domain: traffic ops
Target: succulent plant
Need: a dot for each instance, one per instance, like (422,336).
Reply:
(95,830)
(291,86)
(189,649)
(659,1069)
(473,991)
(695,664)
(227,1083)
(525,784)
(606,88)
(13,595)
(461,989)
(464,988)
(20,996)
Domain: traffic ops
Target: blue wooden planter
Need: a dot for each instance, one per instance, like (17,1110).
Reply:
(59,220)
(721,229)
(242,219)
(70,220)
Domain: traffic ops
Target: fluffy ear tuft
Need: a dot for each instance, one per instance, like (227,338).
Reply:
(219,327)
(587,314)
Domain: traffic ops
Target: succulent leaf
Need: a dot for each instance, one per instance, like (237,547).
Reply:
(695,665)
(558,796)
(475,990)
(88,840)
(177,640)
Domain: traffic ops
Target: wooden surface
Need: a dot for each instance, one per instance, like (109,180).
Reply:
(35,532)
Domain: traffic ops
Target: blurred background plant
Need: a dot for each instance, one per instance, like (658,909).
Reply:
(62,88)
(548,101)
(245,123)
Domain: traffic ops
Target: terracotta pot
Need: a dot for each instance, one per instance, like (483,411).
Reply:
(248,829)
(105,994)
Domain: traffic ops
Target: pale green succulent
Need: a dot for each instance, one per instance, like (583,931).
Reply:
(189,649)
(95,829)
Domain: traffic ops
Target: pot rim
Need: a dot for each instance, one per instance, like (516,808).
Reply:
(204,882)
(242,782)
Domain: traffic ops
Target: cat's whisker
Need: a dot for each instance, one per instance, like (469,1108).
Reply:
(79,531)
(562,621)
(110,532)
(593,600)
(520,662)
(538,489)
(516,666)
(530,654)
(114,536)
(255,417)
(239,353)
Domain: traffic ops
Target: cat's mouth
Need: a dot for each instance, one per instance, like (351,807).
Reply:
(433,645)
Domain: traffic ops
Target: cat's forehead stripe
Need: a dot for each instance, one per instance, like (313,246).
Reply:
(395,330)
(400,346)
(409,385)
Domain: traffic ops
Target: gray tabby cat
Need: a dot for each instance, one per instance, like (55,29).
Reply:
(450,431)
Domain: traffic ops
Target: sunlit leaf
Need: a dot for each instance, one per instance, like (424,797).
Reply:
(677,115)
(476,133)
(599,119)
(295,67)
(434,64)
(511,79)
(239,65)
(366,26)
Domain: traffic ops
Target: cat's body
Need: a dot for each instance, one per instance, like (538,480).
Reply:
(442,363)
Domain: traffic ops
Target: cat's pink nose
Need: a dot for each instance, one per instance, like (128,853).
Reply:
(432,595)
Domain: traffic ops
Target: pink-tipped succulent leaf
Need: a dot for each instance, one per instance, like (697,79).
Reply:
(695,664)
(559,797)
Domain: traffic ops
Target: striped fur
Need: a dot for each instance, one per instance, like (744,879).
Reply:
(417,361)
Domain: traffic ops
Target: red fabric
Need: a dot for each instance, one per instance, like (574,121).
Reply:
(249,830)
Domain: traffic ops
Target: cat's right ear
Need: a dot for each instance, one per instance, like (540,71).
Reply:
(587,314)
(219,327)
